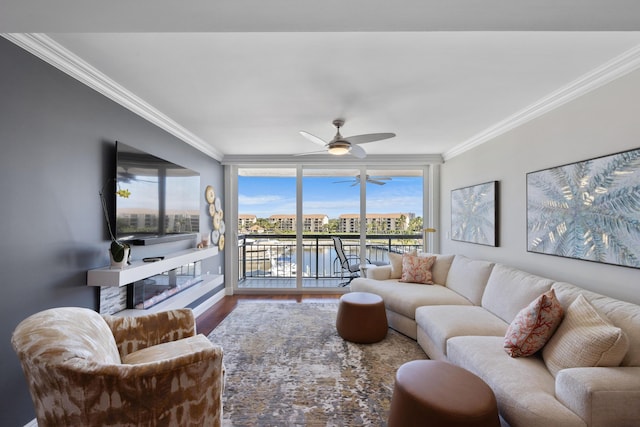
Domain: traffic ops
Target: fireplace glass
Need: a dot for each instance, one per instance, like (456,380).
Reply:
(148,292)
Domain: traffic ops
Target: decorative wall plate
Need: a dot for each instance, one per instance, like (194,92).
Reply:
(209,194)
(215,237)
(216,221)
(212,209)
(218,204)
(221,243)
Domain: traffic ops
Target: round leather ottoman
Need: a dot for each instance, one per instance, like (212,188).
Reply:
(361,318)
(438,394)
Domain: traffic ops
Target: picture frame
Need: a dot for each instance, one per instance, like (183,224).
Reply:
(587,210)
(474,214)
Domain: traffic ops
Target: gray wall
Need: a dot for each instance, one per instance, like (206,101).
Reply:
(602,122)
(57,142)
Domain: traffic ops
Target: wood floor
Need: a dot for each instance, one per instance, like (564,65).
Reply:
(211,318)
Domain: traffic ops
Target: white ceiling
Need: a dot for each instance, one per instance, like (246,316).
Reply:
(238,78)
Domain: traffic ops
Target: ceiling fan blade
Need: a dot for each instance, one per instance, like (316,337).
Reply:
(381,178)
(358,152)
(373,181)
(310,153)
(339,182)
(369,137)
(313,138)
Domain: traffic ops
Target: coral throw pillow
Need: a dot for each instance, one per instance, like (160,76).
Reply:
(585,338)
(416,269)
(396,264)
(533,326)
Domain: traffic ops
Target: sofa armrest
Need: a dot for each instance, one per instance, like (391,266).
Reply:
(135,333)
(382,272)
(182,390)
(601,396)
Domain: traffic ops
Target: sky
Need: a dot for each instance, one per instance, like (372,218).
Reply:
(266,196)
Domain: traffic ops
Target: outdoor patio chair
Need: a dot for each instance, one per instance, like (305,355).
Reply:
(349,264)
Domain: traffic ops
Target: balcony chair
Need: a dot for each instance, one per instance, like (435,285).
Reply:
(84,369)
(349,264)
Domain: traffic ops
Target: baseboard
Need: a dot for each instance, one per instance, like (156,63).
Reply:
(205,305)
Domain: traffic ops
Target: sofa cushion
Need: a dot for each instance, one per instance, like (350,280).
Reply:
(168,350)
(624,315)
(395,260)
(379,272)
(509,290)
(440,269)
(445,321)
(533,326)
(584,338)
(404,298)
(524,387)
(469,277)
(417,269)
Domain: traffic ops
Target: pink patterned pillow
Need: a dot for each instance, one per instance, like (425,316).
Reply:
(416,269)
(533,326)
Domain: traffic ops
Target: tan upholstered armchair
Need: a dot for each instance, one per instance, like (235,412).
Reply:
(84,369)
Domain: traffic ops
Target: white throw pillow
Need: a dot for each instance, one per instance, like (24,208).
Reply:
(584,338)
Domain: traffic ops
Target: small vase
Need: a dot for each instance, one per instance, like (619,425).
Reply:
(119,264)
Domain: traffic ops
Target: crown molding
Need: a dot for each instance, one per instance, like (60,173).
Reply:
(53,53)
(328,160)
(609,71)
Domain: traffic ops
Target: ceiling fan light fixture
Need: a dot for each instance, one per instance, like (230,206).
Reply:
(339,148)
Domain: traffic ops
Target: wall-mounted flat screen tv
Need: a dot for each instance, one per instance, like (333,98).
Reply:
(163,202)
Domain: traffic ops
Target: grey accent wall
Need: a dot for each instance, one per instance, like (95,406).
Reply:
(601,122)
(57,142)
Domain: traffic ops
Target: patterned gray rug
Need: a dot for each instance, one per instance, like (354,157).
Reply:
(287,366)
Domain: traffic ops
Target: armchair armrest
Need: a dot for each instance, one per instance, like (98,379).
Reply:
(135,333)
(601,396)
(180,390)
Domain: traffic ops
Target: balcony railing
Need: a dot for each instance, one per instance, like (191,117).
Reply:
(274,256)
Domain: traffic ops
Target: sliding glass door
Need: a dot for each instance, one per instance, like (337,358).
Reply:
(288,216)
(267,227)
(394,212)
(328,196)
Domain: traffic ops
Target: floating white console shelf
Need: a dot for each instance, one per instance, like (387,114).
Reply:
(139,270)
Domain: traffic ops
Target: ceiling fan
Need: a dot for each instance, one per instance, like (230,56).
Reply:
(372,179)
(341,145)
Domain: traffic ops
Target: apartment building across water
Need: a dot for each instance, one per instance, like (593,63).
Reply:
(347,223)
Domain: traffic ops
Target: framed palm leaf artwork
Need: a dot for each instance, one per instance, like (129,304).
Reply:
(588,210)
(474,214)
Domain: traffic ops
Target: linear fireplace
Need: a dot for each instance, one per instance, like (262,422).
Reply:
(152,290)
(173,282)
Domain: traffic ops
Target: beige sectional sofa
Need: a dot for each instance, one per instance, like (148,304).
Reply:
(464,316)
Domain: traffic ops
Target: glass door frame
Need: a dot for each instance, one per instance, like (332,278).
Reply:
(430,200)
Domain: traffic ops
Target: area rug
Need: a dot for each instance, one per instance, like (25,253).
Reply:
(287,366)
